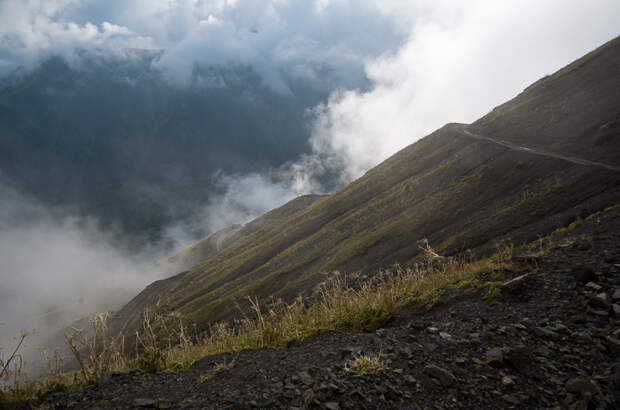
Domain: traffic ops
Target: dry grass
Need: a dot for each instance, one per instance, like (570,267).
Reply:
(366,364)
(99,352)
(164,343)
(13,364)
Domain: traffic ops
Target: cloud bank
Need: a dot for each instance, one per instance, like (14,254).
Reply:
(460,60)
(281,40)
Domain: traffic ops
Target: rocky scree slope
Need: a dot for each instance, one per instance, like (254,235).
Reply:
(454,190)
(549,339)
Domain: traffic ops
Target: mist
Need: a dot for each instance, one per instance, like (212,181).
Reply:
(57,269)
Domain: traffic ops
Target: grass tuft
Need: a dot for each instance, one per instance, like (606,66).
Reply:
(366,364)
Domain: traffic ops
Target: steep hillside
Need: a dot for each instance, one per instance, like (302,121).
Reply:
(548,338)
(513,175)
(202,250)
(574,111)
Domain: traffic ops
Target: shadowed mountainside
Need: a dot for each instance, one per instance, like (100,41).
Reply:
(454,190)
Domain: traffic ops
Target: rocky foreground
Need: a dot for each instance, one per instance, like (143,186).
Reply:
(550,339)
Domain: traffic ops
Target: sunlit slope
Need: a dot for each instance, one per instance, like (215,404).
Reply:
(457,191)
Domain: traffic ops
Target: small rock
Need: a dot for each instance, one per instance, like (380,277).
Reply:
(558,327)
(431,347)
(495,357)
(331,405)
(582,337)
(410,379)
(519,326)
(418,324)
(519,357)
(381,332)
(579,405)
(528,322)
(616,309)
(432,329)
(584,246)
(487,336)
(555,381)
(595,287)
(517,284)
(461,361)
(602,313)
(305,378)
(599,302)
(512,399)
(546,333)
(263,403)
(616,295)
(144,403)
(583,274)
(614,345)
(445,377)
(507,381)
(445,335)
(582,385)
(616,374)
(105,378)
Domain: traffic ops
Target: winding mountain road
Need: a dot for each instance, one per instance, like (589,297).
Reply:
(461,129)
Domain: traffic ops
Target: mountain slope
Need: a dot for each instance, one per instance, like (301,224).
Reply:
(202,250)
(573,112)
(545,340)
(456,191)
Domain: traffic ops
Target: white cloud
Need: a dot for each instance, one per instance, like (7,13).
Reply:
(460,61)
(274,36)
